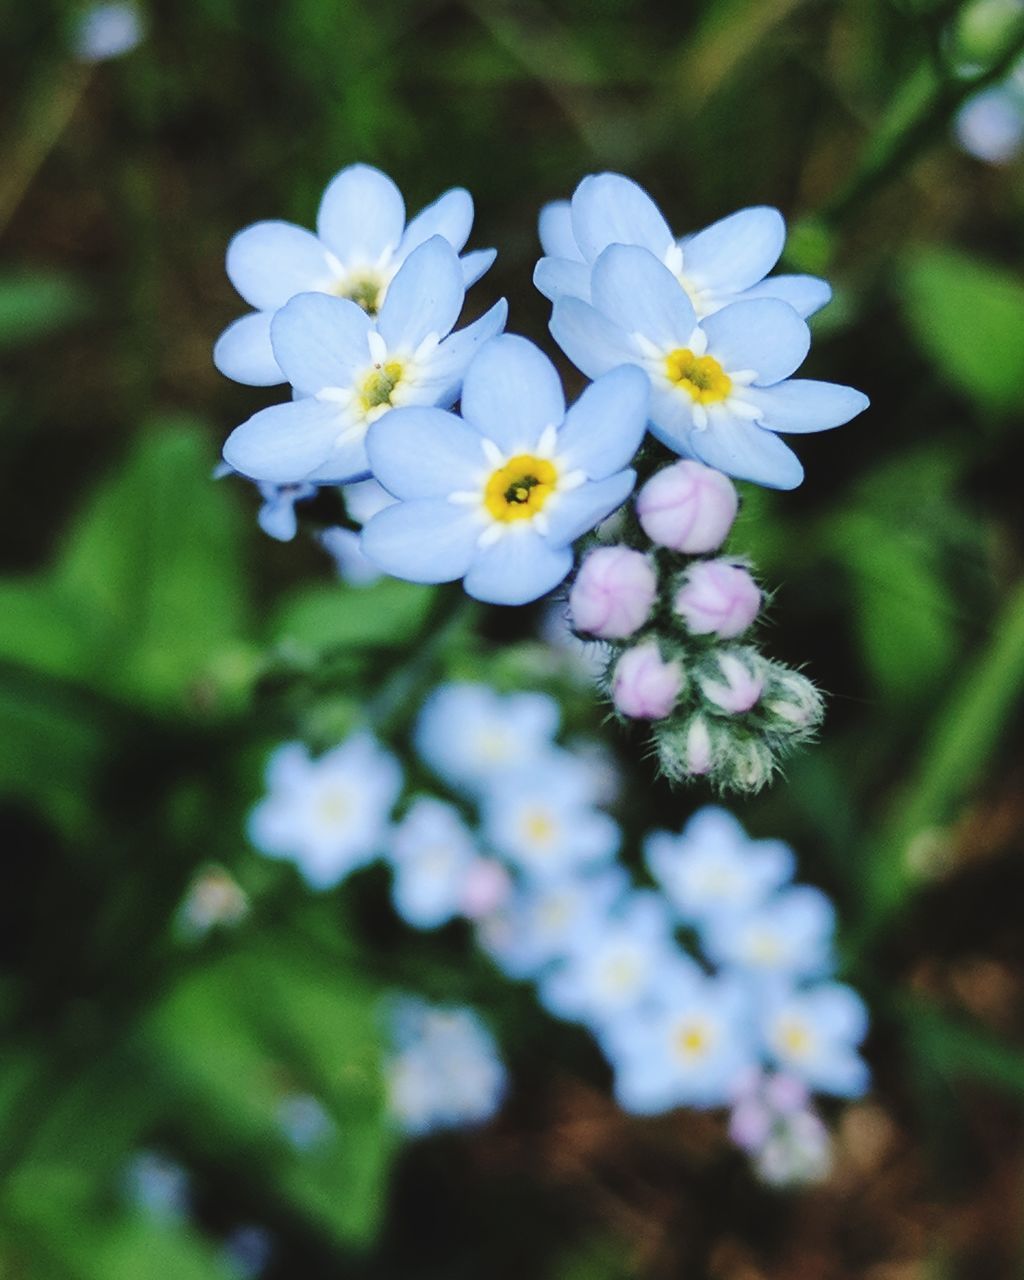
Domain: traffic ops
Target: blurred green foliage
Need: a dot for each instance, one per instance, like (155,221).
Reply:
(153,646)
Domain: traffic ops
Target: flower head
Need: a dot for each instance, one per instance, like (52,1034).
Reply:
(432,854)
(361,243)
(788,936)
(498,496)
(349,369)
(327,815)
(722,386)
(728,260)
(814,1035)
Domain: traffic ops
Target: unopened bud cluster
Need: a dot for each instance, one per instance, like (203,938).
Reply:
(676,618)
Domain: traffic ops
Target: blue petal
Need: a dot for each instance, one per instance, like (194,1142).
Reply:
(672,418)
(603,429)
(631,287)
(764,335)
(610,209)
(748,452)
(424,453)
(475,264)
(518,568)
(425,297)
(270,262)
(450,216)
(554,227)
(439,378)
(243,351)
(346,463)
(562,278)
(801,404)
(426,540)
(277,518)
(805,294)
(321,341)
(574,513)
(592,342)
(285,443)
(735,252)
(511,393)
(362,215)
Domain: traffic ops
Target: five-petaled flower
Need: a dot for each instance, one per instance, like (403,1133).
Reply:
(499,495)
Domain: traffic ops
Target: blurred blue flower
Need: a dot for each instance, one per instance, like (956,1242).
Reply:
(469,734)
(327,815)
(348,370)
(721,389)
(814,1034)
(689,1050)
(444,1071)
(107,31)
(713,868)
(361,242)
(431,852)
(498,496)
(990,125)
(724,262)
(543,820)
(157,1185)
(790,936)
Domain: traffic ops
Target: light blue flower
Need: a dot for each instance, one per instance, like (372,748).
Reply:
(689,1050)
(814,1035)
(990,125)
(107,31)
(713,868)
(721,389)
(348,370)
(276,517)
(724,262)
(445,1071)
(630,961)
(327,815)
(549,920)
(360,244)
(469,734)
(431,853)
(790,936)
(498,496)
(542,818)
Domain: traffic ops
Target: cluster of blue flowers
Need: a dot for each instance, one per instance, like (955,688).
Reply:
(687,337)
(754,997)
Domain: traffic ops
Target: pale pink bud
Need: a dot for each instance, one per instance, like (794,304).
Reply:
(738,688)
(785,1093)
(614,593)
(688,507)
(750,1124)
(717,598)
(644,685)
(485,888)
(698,749)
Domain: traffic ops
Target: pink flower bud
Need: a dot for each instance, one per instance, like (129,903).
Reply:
(738,688)
(750,1124)
(613,594)
(717,598)
(644,685)
(785,1093)
(698,749)
(688,507)
(485,889)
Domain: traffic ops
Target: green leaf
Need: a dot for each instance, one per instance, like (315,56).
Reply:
(958,1049)
(319,619)
(37,303)
(156,556)
(968,318)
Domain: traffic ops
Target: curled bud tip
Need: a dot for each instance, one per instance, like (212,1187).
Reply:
(613,594)
(687,507)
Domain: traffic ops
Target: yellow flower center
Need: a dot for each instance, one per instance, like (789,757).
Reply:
(795,1039)
(365,291)
(692,1041)
(539,827)
(379,384)
(520,489)
(333,807)
(701,376)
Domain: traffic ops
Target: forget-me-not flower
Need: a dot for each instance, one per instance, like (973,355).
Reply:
(327,815)
(814,1035)
(713,868)
(721,388)
(498,496)
(431,853)
(788,936)
(349,369)
(470,734)
(360,244)
(445,1071)
(728,260)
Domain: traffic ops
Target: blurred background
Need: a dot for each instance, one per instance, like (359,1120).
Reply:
(162,988)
